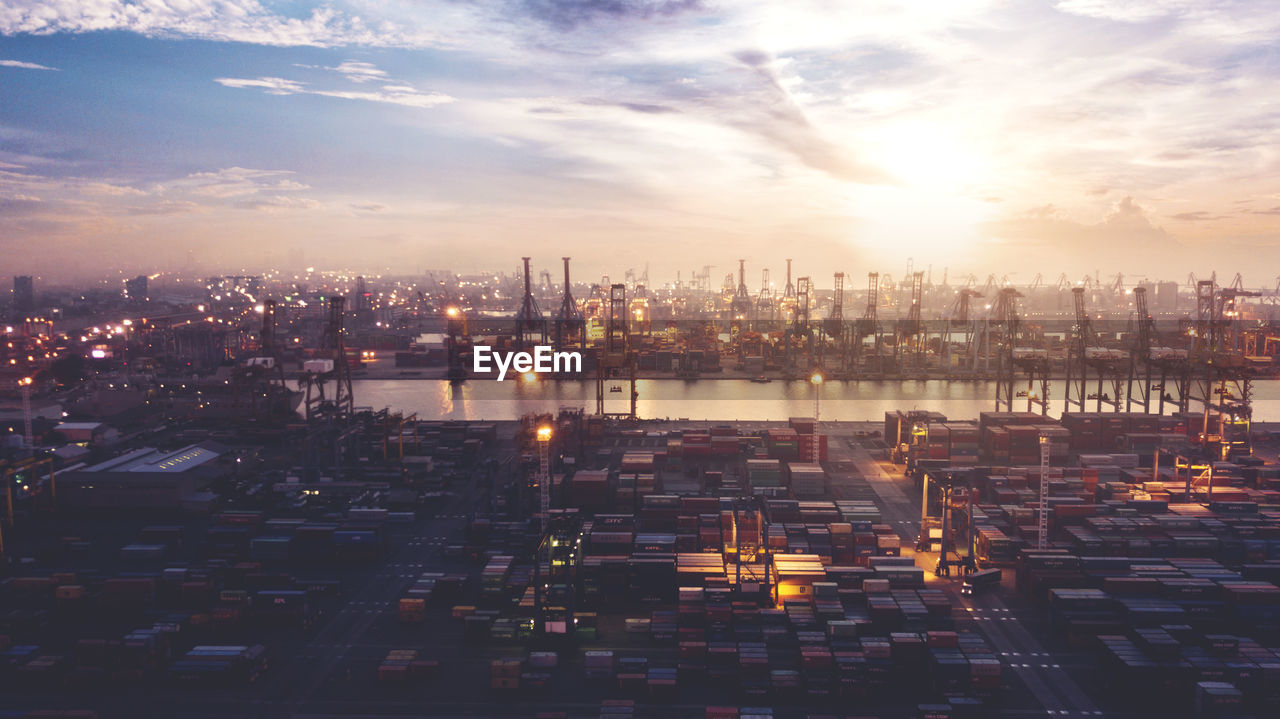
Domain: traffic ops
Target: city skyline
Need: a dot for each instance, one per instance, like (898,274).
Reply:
(1131,137)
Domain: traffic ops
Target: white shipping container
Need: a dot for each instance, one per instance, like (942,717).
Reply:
(319,366)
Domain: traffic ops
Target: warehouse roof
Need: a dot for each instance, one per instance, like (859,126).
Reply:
(79,425)
(148,459)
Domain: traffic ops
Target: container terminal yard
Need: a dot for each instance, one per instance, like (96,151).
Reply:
(201,519)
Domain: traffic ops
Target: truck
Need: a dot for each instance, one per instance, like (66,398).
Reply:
(979,580)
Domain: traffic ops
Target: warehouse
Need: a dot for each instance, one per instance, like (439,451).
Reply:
(145,478)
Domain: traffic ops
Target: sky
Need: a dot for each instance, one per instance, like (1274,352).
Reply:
(966,136)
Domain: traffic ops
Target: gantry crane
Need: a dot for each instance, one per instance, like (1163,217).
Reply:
(259,384)
(741,305)
(342,404)
(570,327)
(531,327)
(27,466)
(764,301)
(959,321)
(1014,362)
(909,345)
(1221,377)
(1154,369)
(617,361)
(868,326)
(1086,354)
(799,331)
(833,326)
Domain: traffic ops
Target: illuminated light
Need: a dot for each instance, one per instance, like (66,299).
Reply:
(128,323)
(98,354)
(199,308)
(544,434)
(260,309)
(816,378)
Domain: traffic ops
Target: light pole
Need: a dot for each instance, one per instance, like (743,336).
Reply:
(1042,526)
(816,380)
(25,385)
(544,474)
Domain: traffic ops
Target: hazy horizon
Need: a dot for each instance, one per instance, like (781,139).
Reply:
(983,137)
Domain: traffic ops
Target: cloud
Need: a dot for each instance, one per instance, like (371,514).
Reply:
(368,206)
(235,182)
(645,108)
(691,119)
(165,207)
(271,85)
(391,94)
(1050,237)
(20,204)
(276,203)
(1124,10)
(769,110)
(359,71)
(109,189)
(1197,216)
(25,65)
(247,21)
(568,14)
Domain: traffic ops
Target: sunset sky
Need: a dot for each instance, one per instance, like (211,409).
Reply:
(1018,138)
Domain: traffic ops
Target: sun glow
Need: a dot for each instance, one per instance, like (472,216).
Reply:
(919,154)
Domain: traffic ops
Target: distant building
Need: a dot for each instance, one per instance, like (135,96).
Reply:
(1166,297)
(136,289)
(24,296)
(87,433)
(147,478)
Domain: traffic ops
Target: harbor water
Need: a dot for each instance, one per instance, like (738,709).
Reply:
(716,399)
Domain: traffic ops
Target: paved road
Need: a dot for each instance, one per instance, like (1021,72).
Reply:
(1004,624)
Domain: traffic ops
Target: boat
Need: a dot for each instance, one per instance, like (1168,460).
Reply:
(761,379)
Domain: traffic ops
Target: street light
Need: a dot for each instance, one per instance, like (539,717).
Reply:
(25,385)
(544,474)
(816,381)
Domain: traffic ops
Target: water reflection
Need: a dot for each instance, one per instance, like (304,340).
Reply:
(713,399)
